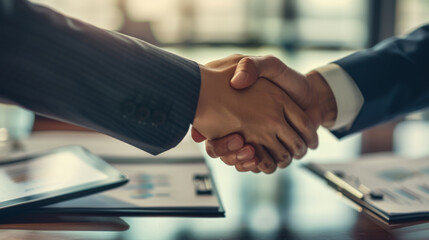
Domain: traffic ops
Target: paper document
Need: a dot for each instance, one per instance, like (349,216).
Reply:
(169,188)
(393,185)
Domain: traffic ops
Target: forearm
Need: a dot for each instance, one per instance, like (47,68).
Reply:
(69,70)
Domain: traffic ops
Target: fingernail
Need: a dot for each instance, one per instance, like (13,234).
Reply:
(250,165)
(239,78)
(234,144)
(244,154)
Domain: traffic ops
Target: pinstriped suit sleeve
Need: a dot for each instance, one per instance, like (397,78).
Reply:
(71,71)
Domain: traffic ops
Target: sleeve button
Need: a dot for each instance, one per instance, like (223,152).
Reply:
(127,109)
(158,118)
(143,114)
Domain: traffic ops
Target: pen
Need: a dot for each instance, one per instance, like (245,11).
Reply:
(343,185)
(359,193)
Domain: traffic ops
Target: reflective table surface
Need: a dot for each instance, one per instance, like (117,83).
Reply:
(290,204)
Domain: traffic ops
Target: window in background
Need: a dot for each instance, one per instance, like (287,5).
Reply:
(410,14)
(101,13)
(333,23)
(290,23)
(411,136)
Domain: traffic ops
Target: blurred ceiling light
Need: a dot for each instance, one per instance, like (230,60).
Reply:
(144,10)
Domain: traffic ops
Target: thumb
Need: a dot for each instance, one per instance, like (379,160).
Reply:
(245,74)
(292,82)
(197,136)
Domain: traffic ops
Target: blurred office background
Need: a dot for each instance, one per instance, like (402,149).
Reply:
(303,33)
(303,23)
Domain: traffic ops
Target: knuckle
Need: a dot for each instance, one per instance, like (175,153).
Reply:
(236,55)
(246,62)
(285,163)
(219,149)
(306,122)
(240,168)
(271,57)
(270,170)
(210,150)
(314,142)
(274,60)
(284,157)
(229,160)
(298,147)
(267,166)
(301,154)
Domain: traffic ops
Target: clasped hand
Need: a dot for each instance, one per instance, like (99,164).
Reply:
(265,126)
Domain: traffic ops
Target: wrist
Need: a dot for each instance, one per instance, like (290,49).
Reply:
(203,105)
(212,118)
(326,99)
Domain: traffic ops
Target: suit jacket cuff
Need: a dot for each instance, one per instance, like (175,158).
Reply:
(347,95)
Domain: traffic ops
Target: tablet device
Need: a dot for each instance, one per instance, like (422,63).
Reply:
(57,175)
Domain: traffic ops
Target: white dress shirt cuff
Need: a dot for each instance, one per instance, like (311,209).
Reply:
(347,95)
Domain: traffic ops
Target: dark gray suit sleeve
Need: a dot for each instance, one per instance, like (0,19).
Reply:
(393,77)
(71,71)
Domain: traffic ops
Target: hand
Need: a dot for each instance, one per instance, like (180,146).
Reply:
(265,116)
(311,92)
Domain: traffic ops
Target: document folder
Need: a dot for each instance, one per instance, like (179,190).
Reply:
(168,187)
(394,188)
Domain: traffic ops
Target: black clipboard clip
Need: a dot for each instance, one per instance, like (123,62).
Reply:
(203,185)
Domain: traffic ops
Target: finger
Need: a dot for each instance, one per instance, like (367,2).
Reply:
(230,159)
(266,163)
(288,137)
(245,74)
(256,171)
(247,165)
(249,69)
(247,153)
(197,136)
(279,153)
(226,145)
(210,150)
(300,122)
(284,164)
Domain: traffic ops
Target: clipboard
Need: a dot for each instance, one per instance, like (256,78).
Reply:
(395,189)
(158,187)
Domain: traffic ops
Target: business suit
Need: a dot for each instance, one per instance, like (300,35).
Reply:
(121,86)
(393,78)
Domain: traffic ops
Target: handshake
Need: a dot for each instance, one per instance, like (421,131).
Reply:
(258,114)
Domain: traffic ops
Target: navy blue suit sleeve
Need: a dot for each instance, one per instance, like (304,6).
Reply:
(393,77)
(118,85)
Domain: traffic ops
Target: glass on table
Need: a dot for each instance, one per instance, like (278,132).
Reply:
(15,125)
